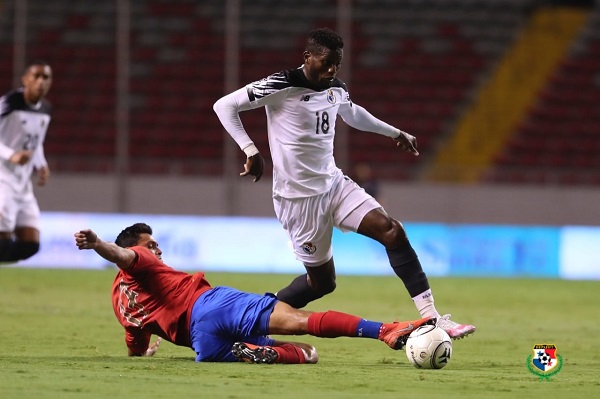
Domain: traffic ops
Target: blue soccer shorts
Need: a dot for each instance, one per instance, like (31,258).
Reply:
(223,316)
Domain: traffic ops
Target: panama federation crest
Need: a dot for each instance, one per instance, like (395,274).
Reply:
(545,361)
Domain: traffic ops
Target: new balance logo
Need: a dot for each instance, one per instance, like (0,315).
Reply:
(305,98)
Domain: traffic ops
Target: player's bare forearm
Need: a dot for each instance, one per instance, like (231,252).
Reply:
(87,239)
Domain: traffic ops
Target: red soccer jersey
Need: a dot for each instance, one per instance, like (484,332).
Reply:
(153,298)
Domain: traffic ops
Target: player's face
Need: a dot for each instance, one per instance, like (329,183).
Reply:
(321,68)
(146,240)
(37,81)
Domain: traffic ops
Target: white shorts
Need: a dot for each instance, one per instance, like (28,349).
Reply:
(309,221)
(17,210)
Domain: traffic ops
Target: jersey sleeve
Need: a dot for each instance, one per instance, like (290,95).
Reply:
(361,119)
(137,340)
(39,157)
(5,151)
(227,109)
(143,259)
(267,91)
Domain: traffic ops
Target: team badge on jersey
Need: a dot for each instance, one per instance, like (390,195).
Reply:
(309,248)
(545,362)
(331,96)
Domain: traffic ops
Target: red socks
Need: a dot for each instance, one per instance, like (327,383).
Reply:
(332,324)
(289,354)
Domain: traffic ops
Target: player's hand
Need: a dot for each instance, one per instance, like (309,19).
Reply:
(254,166)
(86,239)
(21,157)
(43,173)
(153,348)
(407,142)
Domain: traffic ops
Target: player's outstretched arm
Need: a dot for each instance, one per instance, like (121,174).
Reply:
(122,257)
(361,119)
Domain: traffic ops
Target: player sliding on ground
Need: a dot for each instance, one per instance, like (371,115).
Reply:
(311,195)
(220,324)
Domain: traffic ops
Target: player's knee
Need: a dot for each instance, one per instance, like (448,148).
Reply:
(325,286)
(26,249)
(330,287)
(393,234)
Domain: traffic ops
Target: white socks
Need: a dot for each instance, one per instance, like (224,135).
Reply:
(424,304)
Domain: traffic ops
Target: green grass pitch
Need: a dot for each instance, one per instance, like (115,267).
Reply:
(60,339)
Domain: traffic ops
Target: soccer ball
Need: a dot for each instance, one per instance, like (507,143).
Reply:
(429,347)
(545,359)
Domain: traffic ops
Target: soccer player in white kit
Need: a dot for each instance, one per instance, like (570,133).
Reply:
(311,195)
(24,120)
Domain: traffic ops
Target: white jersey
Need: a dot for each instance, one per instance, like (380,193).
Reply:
(22,127)
(301,128)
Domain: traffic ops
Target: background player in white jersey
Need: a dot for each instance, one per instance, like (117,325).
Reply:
(24,120)
(311,195)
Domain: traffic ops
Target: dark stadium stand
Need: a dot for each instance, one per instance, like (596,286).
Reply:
(559,141)
(415,64)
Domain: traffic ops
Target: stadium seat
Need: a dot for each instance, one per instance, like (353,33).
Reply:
(561,130)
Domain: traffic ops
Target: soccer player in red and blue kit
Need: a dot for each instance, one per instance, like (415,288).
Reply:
(220,324)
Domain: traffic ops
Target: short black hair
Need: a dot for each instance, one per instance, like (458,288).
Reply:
(35,62)
(130,236)
(323,38)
